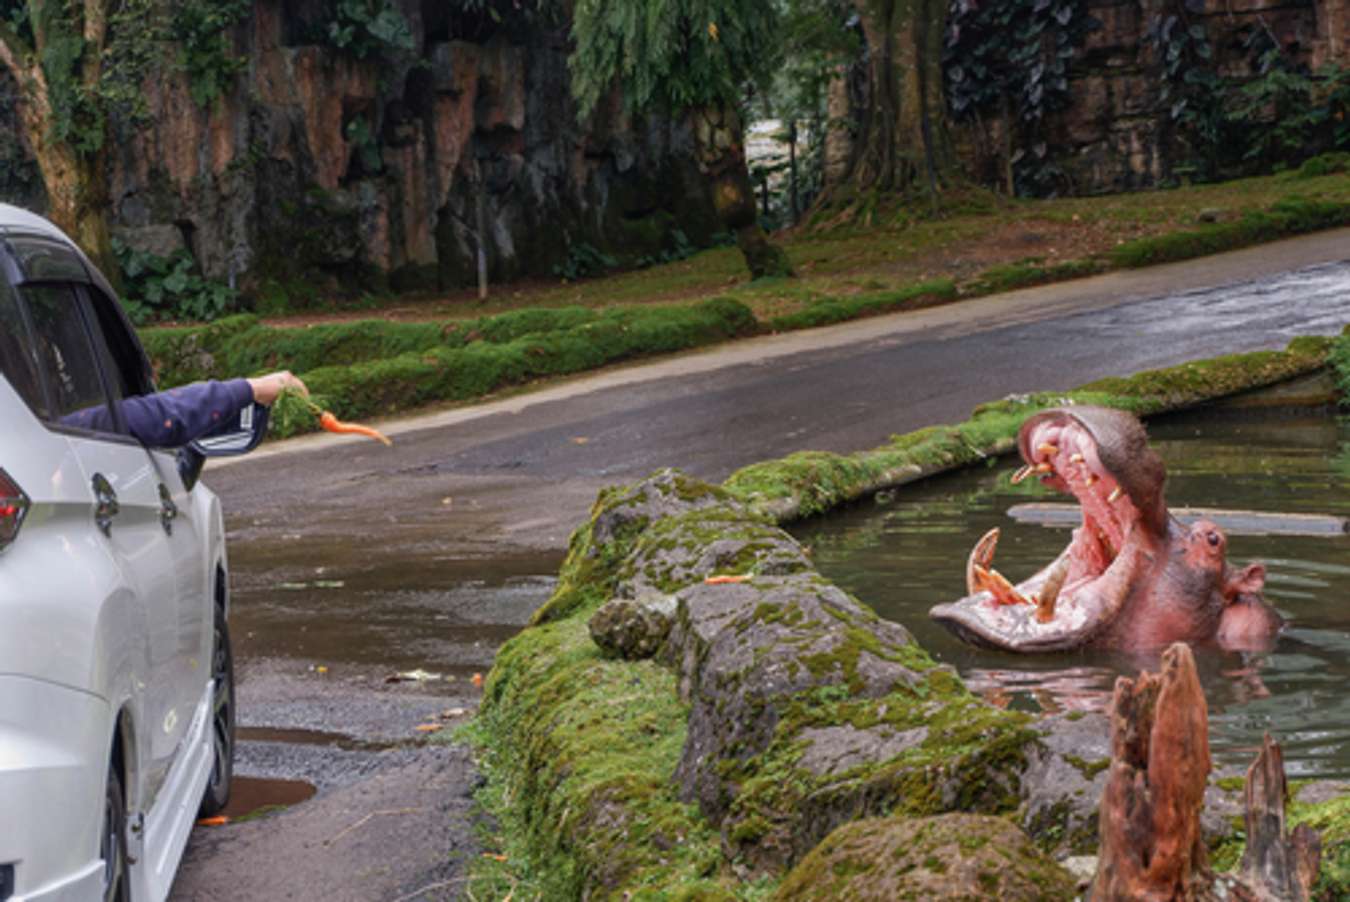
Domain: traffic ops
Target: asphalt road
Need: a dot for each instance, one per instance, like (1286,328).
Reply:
(437,548)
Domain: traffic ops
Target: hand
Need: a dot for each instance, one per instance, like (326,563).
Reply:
(267,388)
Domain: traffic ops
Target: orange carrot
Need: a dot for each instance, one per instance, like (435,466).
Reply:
(333,424)
(723,580)
(219,820)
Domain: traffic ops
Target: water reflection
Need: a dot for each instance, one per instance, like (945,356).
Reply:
(904,556)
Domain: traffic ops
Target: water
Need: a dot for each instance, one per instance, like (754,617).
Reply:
(908,553)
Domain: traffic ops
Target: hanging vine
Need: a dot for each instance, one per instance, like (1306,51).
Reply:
(1006,66)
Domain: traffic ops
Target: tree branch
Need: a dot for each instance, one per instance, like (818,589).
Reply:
(95,36)
(14,51)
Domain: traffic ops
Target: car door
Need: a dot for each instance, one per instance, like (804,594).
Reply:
(125,503)
(178,516)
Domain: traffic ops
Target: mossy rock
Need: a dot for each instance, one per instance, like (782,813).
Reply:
(947,857)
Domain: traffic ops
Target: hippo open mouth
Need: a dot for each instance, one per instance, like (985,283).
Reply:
(1101,457)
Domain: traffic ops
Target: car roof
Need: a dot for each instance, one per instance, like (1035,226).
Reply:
(12,217)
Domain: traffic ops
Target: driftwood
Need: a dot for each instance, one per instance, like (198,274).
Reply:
(1149,821)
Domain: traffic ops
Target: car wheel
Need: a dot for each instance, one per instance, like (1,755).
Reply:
(222,720)
(113,843)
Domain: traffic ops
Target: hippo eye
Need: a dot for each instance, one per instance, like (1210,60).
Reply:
(1212,538)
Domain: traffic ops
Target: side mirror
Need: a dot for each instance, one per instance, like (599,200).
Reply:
(240,436)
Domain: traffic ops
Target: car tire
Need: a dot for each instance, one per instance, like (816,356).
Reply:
(113,841)
(217,794)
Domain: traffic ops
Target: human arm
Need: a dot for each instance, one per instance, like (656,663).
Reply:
(173,418)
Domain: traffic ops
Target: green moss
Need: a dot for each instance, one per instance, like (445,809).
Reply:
(1231,784)
(827,310)
(1339,358)
(810,483)
(1010,276)
(1292,215)
(1089,769)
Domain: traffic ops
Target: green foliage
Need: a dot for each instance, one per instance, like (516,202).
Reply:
(1274,117)
(365,145)
(679,249)
(1292,215)
(681,54)
(1340,367)
(1010,59)
(158,288)
(584,260)
(370,28)
(201,28)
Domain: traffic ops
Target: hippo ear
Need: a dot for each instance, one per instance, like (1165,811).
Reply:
(1247,581)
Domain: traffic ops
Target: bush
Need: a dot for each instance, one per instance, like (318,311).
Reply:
(165,288)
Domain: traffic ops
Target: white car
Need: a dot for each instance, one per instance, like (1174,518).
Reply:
(116,680)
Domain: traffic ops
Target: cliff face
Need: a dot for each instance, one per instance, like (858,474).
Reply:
(320,167)
(1117,133)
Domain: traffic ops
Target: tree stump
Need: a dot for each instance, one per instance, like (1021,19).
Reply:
(1149,821)
(1150,813)
(1275,865)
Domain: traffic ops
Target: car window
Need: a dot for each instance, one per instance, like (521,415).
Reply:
(125,364)
(67,358)
(17,361)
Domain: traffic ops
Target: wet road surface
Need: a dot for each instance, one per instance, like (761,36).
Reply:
(352,562)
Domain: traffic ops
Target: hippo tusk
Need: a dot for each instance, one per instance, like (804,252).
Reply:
(1045,602)
(1044,468)
(1047,449)
(1115,495)
(981,556)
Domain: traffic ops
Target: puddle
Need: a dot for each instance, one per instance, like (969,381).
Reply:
(255,796)
(311,737)
(904,556)
(342,602)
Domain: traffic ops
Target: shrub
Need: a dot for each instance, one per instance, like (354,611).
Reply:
(160,288)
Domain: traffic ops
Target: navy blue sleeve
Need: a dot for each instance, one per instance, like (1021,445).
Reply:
(172,418)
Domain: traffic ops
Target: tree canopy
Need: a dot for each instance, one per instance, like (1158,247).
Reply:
(677,53)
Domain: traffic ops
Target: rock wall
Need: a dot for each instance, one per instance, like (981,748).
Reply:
(321,167)
(1116,135)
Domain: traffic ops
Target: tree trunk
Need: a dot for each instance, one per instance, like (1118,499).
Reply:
(76,183)
(902,141)
(718,136)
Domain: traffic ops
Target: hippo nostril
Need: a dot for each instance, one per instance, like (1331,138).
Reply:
(1212,538)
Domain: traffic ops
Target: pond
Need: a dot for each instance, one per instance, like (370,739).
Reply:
(905,551)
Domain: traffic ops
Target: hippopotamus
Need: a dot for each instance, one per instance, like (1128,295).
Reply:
(1133,577)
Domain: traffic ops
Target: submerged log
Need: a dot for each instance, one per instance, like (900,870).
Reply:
(1275,864)
(1150,813)
(1233,522)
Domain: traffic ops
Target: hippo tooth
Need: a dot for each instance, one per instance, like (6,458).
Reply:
(1076,458)
(1091,479)
(1047,449)
(1044,468)
(1023,473)
(1115,495)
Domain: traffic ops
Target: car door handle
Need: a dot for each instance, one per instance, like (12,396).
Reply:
(168,511)
(106,506)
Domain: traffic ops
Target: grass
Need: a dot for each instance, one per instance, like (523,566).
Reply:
(977,233)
